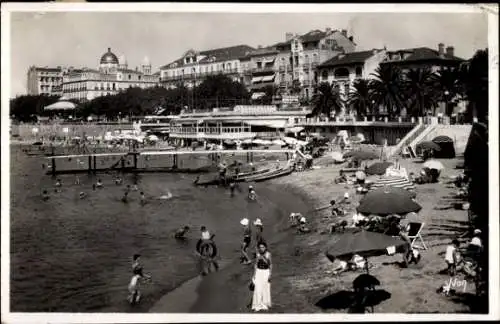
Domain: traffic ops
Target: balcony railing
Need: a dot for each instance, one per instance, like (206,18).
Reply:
(264,69)
(189,76)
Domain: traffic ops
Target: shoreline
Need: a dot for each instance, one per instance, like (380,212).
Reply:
(301,269)
(210,294)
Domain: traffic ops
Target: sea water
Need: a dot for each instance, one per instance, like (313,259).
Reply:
(74,255)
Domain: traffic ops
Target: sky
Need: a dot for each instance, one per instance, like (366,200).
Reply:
(80,38)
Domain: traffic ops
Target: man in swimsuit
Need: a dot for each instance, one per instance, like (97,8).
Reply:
(181,233)
(247,239)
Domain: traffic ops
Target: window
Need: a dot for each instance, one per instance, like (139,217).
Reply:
(341,73)
(114,86)
(139,77)
(359,71)
(259,65)
(129,77)
(324,75)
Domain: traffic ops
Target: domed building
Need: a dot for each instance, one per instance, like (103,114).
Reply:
(111,76)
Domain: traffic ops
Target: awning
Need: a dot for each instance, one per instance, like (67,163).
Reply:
(271,124)
(256,79)
(268,78)
(61,105)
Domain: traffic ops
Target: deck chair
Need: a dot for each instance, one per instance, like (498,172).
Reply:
(414,230)
(405,153)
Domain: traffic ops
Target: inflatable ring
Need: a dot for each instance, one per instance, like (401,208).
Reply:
(207,249)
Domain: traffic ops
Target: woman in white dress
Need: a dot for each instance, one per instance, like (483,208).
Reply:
(262,279)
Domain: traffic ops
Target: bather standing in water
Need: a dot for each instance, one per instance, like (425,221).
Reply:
(125,197)
(45,195)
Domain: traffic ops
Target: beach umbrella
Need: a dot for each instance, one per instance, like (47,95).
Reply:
(433,164)
(153,138)
(365,280)
(360,175)
(363,243)
(378,168)
(362,155)
(279,142)
(387,201)
(428,145)
(337,157)
(395,182)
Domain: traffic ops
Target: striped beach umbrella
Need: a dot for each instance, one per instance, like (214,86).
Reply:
(397,182)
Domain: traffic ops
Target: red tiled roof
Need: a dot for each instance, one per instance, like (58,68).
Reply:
(220,54)
(423,54)
(348,59)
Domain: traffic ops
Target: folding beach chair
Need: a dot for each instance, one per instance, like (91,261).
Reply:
(414,230)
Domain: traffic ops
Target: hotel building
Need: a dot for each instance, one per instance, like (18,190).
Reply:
(195,66)
(44,81)
(112,76)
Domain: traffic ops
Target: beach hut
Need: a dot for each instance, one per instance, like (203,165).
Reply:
(447,147)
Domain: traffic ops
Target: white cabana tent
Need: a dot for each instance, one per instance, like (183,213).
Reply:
(61,105)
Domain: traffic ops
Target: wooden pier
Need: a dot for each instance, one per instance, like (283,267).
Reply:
(130,161)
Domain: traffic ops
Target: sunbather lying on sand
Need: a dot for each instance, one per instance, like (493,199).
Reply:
(349,264)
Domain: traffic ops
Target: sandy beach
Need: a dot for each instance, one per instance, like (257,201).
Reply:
(302,274)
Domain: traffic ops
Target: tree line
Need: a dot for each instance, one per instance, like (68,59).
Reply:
(414,92)
(214,91)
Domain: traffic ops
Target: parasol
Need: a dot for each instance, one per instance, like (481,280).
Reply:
(388,200)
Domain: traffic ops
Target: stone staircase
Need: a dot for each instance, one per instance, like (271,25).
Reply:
(408,139)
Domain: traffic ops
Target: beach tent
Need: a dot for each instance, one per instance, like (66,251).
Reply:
(61,105)
(447,147)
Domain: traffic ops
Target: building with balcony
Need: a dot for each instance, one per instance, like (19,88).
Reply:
(299,56)
(241,122)
(260,68)
(194,66)
(343,69)
(45,81)
(423,57)
(112,76)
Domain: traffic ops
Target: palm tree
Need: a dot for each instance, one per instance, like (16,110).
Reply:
(326,100)
(420,90)
(449,85)
(360,98)
(387,87)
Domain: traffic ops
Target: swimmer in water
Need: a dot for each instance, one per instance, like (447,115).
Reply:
(118,181)
(180,234)
(82,195)
(232,186)
(165,197)
(125,197)
(128,188)
(58,183)
(99,183)
(45,195)
(77,180)
(143,198)
(252,195)
(135,187)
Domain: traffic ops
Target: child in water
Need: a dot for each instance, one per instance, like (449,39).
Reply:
(143,198)
(58,183)
(181,233)
(45,195)
(125,198)
(138,274)
(99,183)
(82,195)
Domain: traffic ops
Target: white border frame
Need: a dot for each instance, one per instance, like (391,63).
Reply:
(7,8)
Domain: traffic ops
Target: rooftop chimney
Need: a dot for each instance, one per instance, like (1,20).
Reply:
(328,30)
(441,49)
(450,51)
(351,38)
(344,32)
(288,36)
